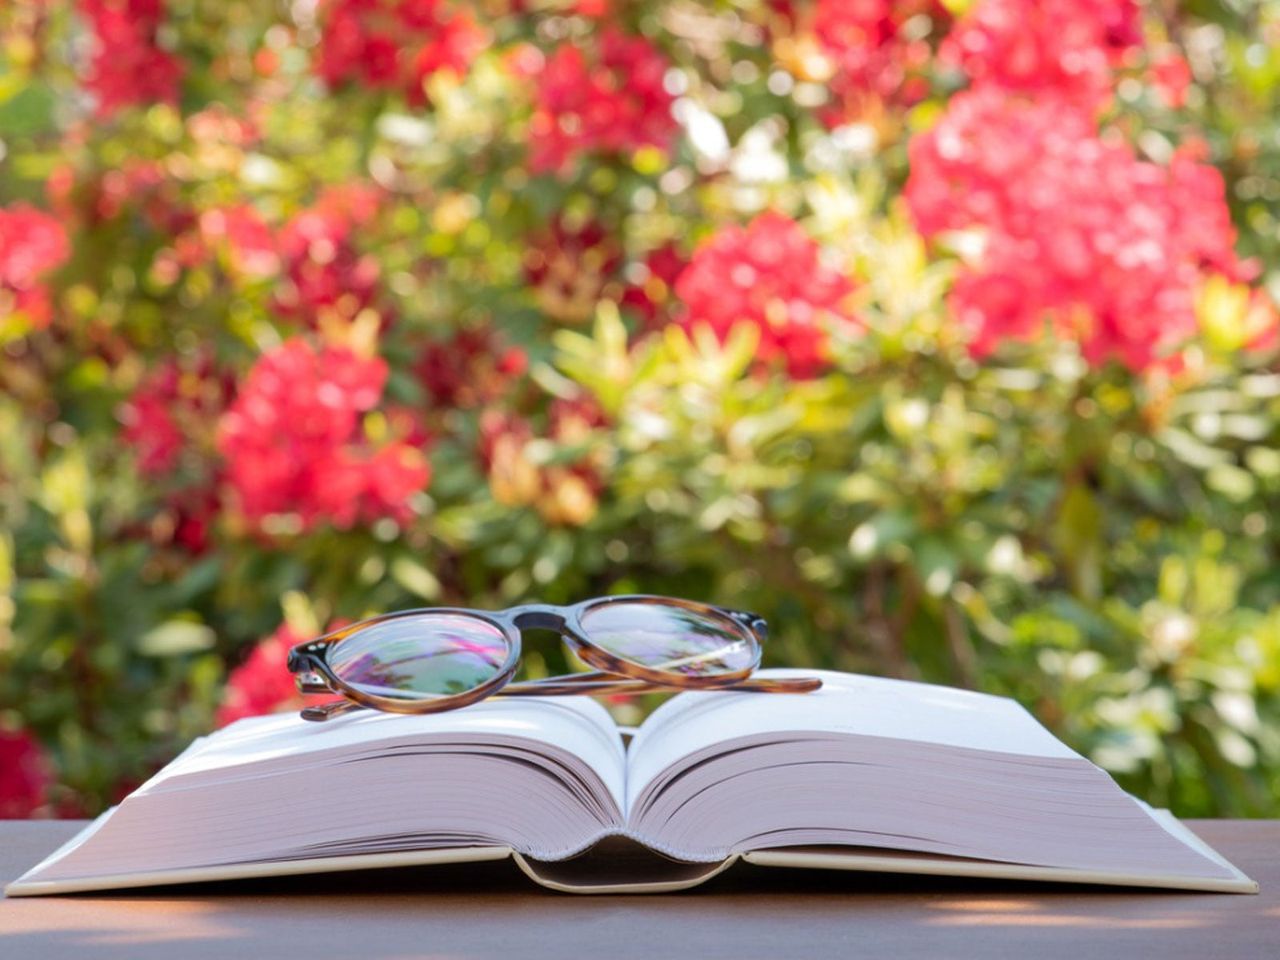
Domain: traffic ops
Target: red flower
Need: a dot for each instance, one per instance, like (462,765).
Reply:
(170,422)
(453,45)
(247,241)
(1079,234)
(595,9)
(32,244)
(866,53)
(25,775)
(769,275)
(608,99)
(295,444)
(151,430)
(179,402)
(396,44)
(128,66)
(470,369)
(570,267)
(191,514)
(1063,48)
(262,683)
(650,292)
(872,57)
(327,279)
(1170,74)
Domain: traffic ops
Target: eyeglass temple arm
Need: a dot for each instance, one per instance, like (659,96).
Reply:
(311,682)
(308,681)
(595,682)
(326,711)
(598,682)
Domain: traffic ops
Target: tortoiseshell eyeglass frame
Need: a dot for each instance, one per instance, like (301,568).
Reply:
(612,674)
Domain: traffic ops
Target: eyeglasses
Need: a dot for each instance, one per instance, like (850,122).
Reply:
(442,658)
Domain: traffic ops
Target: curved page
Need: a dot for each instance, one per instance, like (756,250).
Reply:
(546,777)
(891,764)
(846,704)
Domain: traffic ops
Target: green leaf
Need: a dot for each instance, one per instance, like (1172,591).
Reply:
(416,578)
(176,637)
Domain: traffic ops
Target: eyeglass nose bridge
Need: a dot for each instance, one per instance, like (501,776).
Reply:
(539,616)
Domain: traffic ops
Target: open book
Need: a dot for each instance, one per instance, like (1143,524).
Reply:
(865,774)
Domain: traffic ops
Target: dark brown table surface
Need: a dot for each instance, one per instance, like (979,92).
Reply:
(491,910)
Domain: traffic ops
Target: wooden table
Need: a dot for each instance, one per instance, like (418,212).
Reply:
(490,910)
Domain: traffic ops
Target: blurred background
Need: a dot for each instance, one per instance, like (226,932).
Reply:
(941,332)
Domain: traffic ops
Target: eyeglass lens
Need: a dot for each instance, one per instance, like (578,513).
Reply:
(426,655)
(670,638)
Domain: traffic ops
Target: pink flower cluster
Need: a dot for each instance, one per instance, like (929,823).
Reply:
(32,244)
(324,281)
(295,441)
(174,403)
(246,241)
(396,44)
(328,280)
(262,683)
(871,55)
(128,66)
(1170,76)
(1063,48)
(769,275)
(608,99)
(169,422)
(1079,234)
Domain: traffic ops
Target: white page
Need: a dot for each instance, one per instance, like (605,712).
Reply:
(847,703)
(577,725)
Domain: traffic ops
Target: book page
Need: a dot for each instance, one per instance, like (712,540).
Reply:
(577,725)
(847,703)
(544,776)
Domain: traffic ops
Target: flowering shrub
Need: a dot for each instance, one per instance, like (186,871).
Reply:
(768,276)
(866,52)
(325,280)
(31,245)
(1060,49)
(173,409)
(941,333)
(609,99)
(1078,234)
(295,444)
(26,775)
(127,64)
(395,45)
(262,683)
